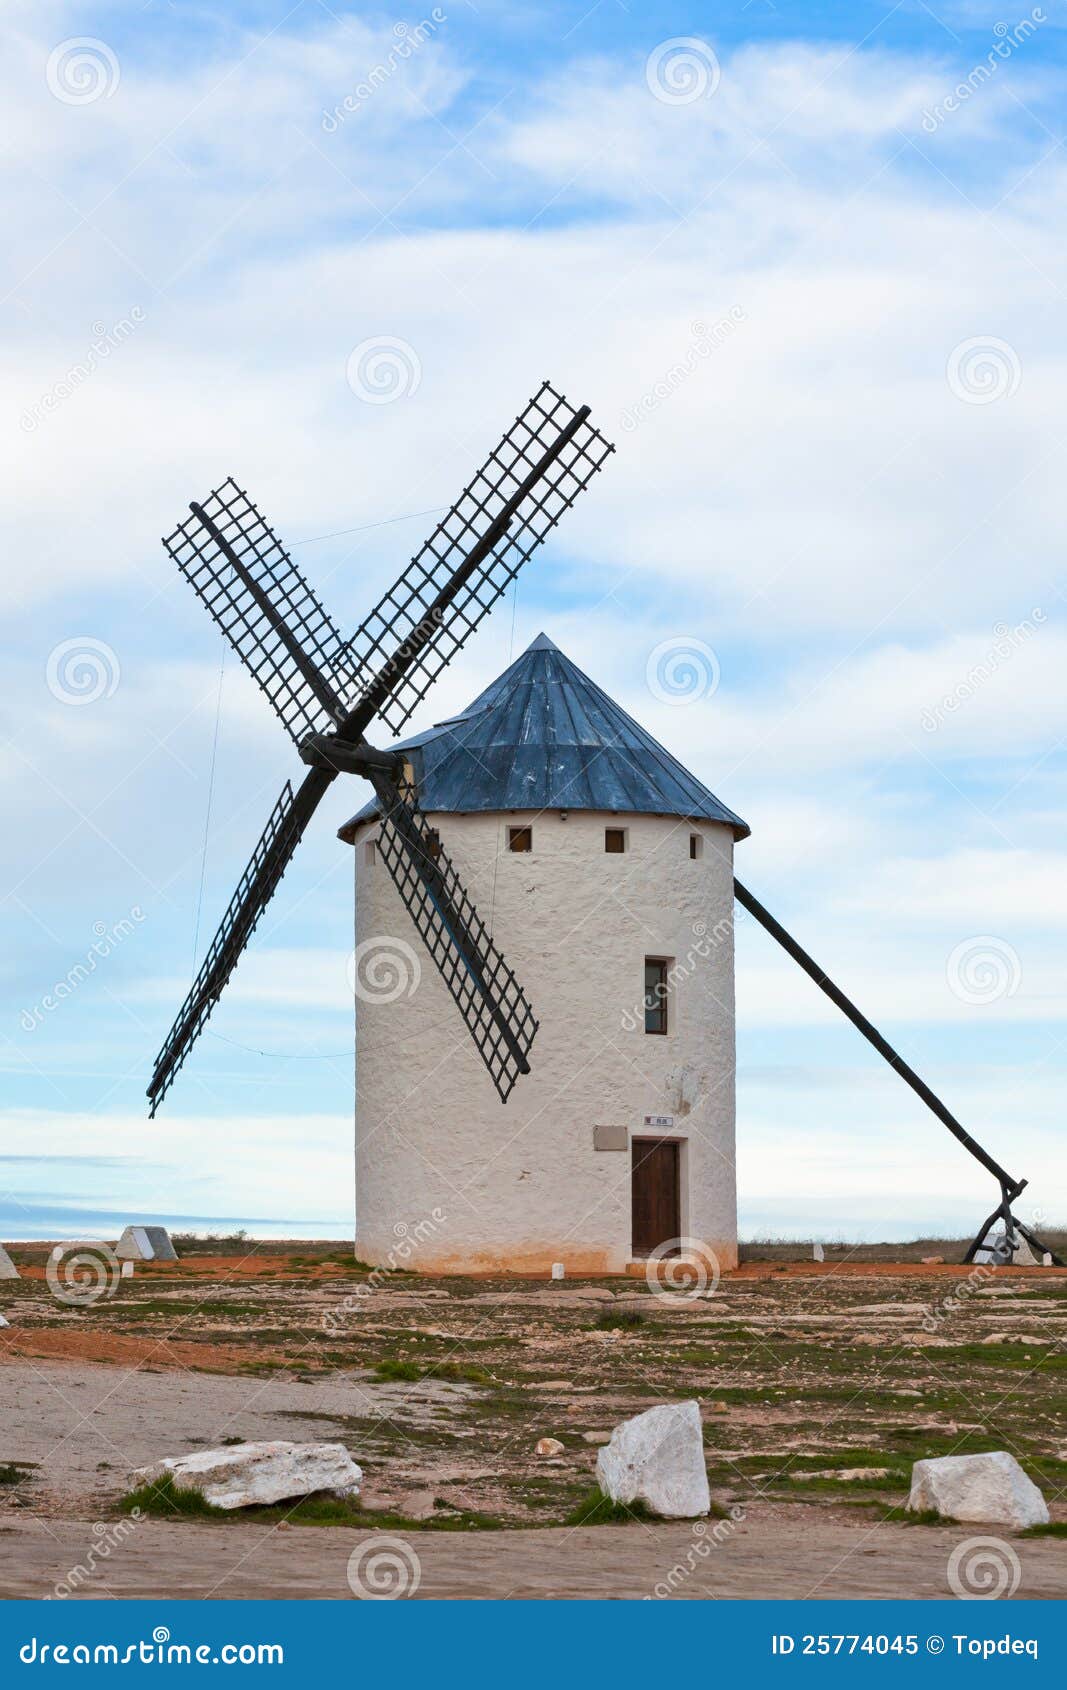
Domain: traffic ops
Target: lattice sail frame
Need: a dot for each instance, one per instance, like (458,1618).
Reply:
(256,887)
(244,622)
(449,926)
(406,609)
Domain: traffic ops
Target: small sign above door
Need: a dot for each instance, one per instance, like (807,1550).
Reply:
(659,1120)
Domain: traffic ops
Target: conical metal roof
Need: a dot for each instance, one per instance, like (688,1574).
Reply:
(543,736)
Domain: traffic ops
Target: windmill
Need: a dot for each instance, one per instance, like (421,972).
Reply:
(328,692)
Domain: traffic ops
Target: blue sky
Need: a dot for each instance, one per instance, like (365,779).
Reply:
(852,493)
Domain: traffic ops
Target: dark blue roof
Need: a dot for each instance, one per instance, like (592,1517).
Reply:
(544,737)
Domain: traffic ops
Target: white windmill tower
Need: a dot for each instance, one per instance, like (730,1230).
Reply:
(604,871)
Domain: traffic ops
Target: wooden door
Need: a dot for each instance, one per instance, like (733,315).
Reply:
(656,1194)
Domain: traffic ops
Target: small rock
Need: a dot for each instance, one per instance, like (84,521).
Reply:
(242,1475)
(596,1437)
(548,1446)
(719,1407)
(658,1458)
(8,1270)
(4,1322)
(978,1487)
(932,1261)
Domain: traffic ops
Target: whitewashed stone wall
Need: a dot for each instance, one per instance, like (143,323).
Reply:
(450,1178)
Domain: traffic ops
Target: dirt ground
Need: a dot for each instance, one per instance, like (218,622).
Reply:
(819,1385)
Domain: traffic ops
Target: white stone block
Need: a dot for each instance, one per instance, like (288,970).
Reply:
(658,1458)
(242,1475)
(8,1270)
(146,1244)
(978,1487)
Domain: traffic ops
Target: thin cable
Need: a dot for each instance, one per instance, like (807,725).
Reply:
(282,1055)
(207,817)
(385,522)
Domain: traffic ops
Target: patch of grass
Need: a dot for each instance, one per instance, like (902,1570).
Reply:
(917,1517)
(392,1367)
(596,1509)
(12,1474)
(164,1501)
(1052,1528)
(618,1320)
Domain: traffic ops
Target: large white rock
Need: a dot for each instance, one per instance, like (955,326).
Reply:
(978,1487)
(146,1244)
(242,1475)
(8,1270)
(658,1459)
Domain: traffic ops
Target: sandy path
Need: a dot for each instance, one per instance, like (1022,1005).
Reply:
(760,1559)
(87,1426)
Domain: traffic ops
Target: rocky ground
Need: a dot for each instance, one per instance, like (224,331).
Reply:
(818,1386)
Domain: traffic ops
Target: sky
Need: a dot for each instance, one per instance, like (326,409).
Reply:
(808,265)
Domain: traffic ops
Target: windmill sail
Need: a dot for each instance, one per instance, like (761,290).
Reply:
(490,999)
(272,618)
(544,461)
(256,887)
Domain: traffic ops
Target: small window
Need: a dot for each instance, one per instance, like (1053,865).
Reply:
(520,838)
(657,987)
(696,846)
(369,853)
(433,843)
(615,841)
